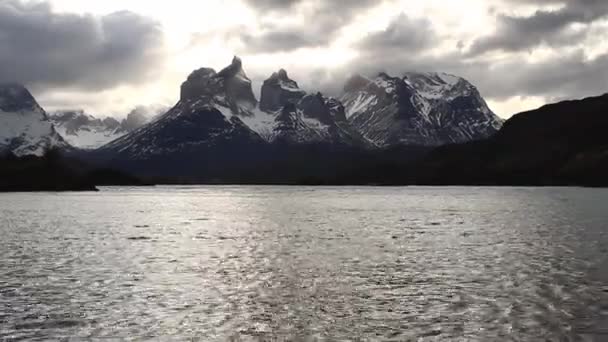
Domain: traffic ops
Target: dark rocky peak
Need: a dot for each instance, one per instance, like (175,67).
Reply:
(282,74)
(201,83)
(328,110)
(281,78)
(15,97)
(316,107)
(235,68)
(231,84)
(278,91)
(336,108)
(237,86)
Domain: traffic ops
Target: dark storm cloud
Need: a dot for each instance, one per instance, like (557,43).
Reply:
(405,45)
(281,40)
(39,47)
(272,5)
(545,27)
(322,21)
(403,33)
(337,7)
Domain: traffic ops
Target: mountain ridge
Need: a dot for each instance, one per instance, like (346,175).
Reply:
(88,132)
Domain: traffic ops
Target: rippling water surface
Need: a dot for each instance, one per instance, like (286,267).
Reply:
(289,263)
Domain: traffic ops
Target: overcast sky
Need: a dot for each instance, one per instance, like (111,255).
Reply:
(112,55)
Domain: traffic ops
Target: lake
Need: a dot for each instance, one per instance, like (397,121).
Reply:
(305,263)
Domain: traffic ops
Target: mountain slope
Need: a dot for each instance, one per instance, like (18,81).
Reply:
(25,128)
(427,109)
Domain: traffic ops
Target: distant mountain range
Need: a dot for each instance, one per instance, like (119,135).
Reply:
(418,109)
(419,128)
(219,127)
(86,131)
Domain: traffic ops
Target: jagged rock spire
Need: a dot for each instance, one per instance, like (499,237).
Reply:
(231,82)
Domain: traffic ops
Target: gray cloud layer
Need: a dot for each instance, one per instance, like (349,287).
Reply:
(552,28)
(569,76)
(45,49)
(324,19)
(404,46)
(403,33)
(42,48)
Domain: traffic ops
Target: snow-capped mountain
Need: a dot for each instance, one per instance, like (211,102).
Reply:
(25,128)
(426,109)
(207,116)
(85,131)
(219,109)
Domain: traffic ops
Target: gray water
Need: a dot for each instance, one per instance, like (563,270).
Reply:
(289,263)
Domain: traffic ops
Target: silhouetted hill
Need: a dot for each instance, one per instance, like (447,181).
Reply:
(559,144)
(47,173)
(54,172)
